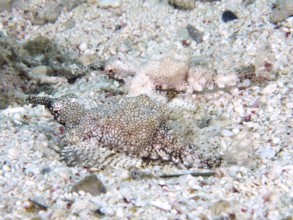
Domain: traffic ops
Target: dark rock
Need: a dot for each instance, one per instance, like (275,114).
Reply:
(46,170)
(90,184)
(248,2)
(194,33)
(228,16)
(36,205)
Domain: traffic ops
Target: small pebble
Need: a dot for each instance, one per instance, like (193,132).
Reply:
(45,170)
(59,214)
(194,33)
(36,204)
(228,16)
(82,46)
(90,184)
(109,3)
(182,5)
(227,133)
(220,207)
(267,153)
(65,173)
(6,168)
(281,10)
(107,211)
(269,89)
(276,140)
(161,205)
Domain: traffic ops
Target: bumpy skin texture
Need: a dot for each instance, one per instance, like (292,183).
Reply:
(125,131)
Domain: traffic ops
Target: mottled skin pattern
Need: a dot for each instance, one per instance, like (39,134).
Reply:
(123,131)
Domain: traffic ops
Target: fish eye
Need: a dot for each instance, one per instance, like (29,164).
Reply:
(55,111)
(56,115)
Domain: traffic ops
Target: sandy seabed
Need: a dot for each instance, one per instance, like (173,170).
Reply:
(231,83)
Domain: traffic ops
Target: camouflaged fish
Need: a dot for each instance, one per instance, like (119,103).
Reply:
(121,132)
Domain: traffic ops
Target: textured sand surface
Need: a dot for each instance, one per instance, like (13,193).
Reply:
(228,86)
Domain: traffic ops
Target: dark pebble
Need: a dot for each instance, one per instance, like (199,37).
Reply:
(45,170)
(228,16)
(194,33)
(37,205)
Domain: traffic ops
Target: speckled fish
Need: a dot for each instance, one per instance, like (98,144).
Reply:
(121,132)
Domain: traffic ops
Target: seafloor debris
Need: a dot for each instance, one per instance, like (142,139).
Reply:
(228,16)
(41,12)
(220,207)
(183,4)
(33,67)
(34,205)
(281,10)
(125,131)
(246,72)
(186,4)
(5,5)
(90,184)
(140,174)
(194,33)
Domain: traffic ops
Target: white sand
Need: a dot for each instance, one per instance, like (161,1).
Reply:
(251,127)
